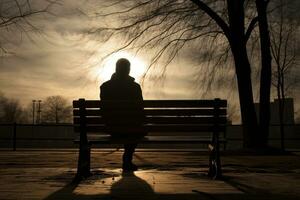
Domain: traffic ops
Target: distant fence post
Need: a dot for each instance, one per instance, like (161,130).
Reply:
(14,136)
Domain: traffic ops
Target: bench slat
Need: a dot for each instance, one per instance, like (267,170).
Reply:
(183,112)
(160,128)
(159,112)
(184,103)
(157,120)
(159,103)
(106,139)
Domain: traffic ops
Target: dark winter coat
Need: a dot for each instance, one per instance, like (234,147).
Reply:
(124,114)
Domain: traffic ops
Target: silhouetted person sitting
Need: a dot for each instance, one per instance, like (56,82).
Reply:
(123,110)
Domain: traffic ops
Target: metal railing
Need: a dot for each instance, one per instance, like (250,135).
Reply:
(54,133)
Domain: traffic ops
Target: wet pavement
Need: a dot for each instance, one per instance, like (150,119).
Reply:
(48,174)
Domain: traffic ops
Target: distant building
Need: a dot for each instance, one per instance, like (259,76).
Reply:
(288,114)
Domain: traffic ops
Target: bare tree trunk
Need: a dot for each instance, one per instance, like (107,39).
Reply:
(243,71)
(281,109)
(246,99)
(266,73)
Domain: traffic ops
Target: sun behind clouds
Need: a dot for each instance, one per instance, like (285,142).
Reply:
(137,67)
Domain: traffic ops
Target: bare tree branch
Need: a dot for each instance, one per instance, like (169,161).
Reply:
(251,28)
(17,16)
(214,16)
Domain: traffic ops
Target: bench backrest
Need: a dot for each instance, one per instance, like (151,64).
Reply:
(160,115)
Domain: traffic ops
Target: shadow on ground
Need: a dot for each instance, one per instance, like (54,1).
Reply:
(130,186)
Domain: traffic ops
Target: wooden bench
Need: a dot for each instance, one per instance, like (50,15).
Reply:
(180,116)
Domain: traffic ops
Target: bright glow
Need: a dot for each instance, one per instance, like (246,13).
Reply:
(137,66)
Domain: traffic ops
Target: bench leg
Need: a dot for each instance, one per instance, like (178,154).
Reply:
(215,170)
(214,166)
(84,162)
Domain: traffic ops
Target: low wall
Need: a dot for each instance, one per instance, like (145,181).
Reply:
(62,136)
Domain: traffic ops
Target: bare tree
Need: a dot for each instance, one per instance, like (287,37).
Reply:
(16,16)
(56,109)
(10,110)
(166,27)
(283,46)
(2,104)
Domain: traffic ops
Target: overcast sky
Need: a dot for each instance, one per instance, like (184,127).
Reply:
(63,61)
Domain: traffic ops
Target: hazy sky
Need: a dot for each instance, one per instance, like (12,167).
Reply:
(64,61)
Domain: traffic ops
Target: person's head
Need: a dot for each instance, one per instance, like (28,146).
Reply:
(123,67)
